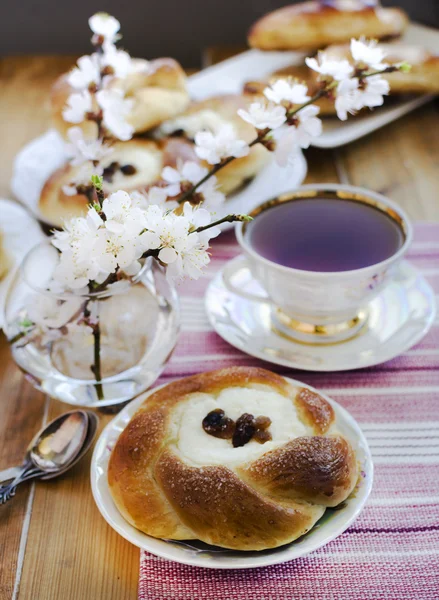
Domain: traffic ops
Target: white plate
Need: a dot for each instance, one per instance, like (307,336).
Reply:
(330,526)
(20,233)
(399,317)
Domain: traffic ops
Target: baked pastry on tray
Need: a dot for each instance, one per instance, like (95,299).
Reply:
(255,89)
(133,165)
(211,114)
(423,77)
(158,90)
(315,24)
(238,458)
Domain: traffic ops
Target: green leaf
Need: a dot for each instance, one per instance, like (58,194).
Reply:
(97,181)
(404,67)
(25,323)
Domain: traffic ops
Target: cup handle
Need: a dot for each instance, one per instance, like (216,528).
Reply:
(231,270)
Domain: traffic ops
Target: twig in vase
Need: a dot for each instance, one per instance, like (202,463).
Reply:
(96,367)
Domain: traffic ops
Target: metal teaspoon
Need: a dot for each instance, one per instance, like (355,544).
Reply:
(52,449)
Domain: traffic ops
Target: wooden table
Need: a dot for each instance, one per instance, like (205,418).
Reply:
(53,542)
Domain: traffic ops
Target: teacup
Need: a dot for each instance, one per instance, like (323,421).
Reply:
(322,306)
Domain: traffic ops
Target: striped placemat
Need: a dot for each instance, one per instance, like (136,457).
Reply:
(392,551)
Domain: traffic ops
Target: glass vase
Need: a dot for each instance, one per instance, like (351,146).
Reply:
(91,349)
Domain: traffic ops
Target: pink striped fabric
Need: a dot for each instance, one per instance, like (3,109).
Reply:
(392,551)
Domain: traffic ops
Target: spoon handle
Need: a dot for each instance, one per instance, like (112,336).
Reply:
(11,473)
(8,491)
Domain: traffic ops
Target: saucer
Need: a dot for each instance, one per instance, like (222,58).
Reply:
(398,318)
(332,524)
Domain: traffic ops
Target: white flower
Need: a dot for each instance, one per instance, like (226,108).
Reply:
(212,197)
(77,107)
(351,97)
(263,116)
(106,26)
(119,61)
(288,91)
(116,108)
(368,53)
(121,216)
(214,148)
(347,98)
(191,172)
(158,195)
(298,136)
(375,87)
(191,259)
(173,178)
(200,217)
(165,231)
(114,251)
(86,72)
(338,69)
(74,274)
(82,150)
(79,236)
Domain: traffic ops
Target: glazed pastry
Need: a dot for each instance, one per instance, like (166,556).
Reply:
(255,89)
(133,165)
(238,458)
(316,24)
(211,114)
(158,89)
(423,77)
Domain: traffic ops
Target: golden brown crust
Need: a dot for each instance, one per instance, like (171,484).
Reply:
(258,505)
(136,493)
(314,25)
(317,469)
(159,93)
(221,509)
(314,410)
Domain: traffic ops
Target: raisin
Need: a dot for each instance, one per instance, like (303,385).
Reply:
(244,431)
(262,422)
(110,170)
(262,436)
(217,424)
(128,169)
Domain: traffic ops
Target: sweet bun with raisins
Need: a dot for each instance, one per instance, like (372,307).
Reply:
(157,89)
(239,458)
(133,165)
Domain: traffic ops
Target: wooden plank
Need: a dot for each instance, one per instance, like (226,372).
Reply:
(401,161)
(22,410)
(71,551)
